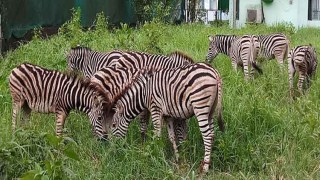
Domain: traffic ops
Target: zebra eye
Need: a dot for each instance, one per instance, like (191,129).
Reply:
(113,125)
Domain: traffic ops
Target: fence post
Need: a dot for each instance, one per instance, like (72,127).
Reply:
(0,37)
(234,13)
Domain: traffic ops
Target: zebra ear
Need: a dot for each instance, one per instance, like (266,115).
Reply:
(210,38)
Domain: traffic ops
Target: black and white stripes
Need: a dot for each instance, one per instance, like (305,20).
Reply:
(34,88)
(88,61)
(274,46)
(302,59)
(180,93)
(243,52)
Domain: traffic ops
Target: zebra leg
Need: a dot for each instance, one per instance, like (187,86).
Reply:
(26,111)
(156,116)
(292,71)
(144,121)
(15,110)
(17,103)
(302,76)
(246,70)
(203,116)
(180,129)
(234,64)
(60,118)
(172,136)
(280,56)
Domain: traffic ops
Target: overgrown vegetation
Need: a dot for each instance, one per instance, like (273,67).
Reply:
(268,135)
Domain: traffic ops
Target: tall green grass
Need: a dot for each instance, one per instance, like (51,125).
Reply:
(268,135)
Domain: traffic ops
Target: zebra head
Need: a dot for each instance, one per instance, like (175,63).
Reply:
(119,122)
(98,115)
(77,56)
(213,50)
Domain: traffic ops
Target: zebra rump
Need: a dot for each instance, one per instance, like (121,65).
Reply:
(243,52)
(303,59)
(274,46)
(34,88)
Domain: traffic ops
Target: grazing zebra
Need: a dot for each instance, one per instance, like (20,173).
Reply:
(179,93)
(34,88)
(274,46)
(243,52)
(88,61)
(114,80)
(219,44)
(304,60)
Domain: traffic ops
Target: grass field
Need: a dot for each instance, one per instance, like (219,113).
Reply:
(268,135)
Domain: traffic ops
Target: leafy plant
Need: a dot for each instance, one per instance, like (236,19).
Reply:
(37,156)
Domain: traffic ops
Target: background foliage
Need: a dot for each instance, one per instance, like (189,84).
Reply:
(268,135)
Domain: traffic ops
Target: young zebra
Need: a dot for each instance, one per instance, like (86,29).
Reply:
(88,61)
(243,52)
(304,60)
(180,93)
(274,46)
(219,44)
(114,80)
(34,88)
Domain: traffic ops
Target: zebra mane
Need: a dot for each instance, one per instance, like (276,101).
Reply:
(86,82)
(183,55)
(145,72)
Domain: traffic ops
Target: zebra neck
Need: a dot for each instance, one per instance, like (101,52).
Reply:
(136,98)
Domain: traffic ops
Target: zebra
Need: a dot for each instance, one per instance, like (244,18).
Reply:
(88,61)
(113,79)
(243,52)
(34,88)
(303,59)
(194,89)
(219,44)
(274,46)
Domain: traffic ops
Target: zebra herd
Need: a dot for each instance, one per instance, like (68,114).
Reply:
(244,50)
(120,85)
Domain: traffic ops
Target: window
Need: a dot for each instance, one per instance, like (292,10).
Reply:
(314,10)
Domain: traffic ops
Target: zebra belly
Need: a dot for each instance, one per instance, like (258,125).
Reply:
(40,105)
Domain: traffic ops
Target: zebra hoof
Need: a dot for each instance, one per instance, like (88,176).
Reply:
(204,167)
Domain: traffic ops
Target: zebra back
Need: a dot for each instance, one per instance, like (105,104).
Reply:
(141,60)
(49,91)
(219,44)
(181,57)
(88,61)
(274,46)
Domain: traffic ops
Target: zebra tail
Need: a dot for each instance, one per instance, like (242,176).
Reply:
(219,106)
(256,67)
(254,56)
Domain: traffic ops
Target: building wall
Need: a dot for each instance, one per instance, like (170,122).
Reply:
(280,11)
